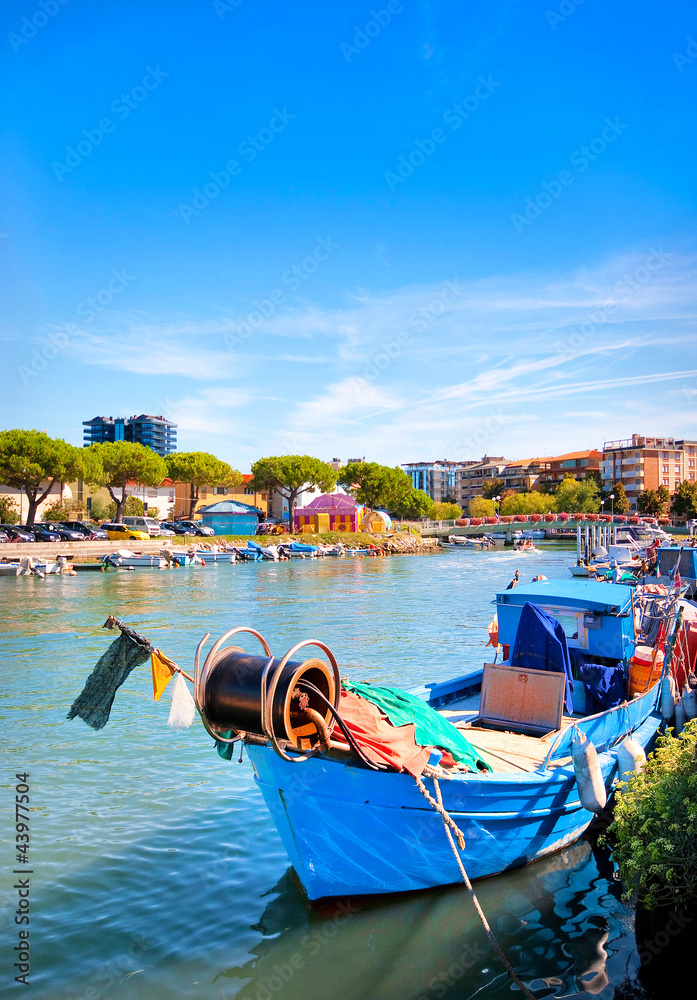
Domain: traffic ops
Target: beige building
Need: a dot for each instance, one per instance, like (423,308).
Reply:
(58,492)
(242,493)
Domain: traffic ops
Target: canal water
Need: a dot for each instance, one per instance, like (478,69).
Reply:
(155,870)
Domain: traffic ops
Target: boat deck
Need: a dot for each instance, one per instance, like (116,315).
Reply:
(503,750)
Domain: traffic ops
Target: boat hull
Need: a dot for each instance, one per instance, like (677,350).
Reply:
(350,831)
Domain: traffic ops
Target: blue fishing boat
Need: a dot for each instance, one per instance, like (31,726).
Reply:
(545,727)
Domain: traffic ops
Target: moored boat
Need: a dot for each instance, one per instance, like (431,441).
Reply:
(351,826)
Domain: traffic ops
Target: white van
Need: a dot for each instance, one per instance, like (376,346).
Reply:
(147,524)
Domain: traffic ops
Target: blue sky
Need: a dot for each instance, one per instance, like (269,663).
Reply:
(405,230)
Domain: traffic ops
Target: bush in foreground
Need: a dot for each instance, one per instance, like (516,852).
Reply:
(654,825)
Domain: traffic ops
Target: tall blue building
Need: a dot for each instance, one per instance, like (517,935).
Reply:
(153,432)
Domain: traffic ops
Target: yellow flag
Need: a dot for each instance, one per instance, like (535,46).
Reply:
(162,673)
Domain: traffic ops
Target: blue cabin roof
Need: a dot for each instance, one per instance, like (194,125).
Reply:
(578,593)
(230,507)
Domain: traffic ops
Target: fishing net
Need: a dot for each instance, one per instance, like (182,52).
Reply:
(93,704)
(183,710)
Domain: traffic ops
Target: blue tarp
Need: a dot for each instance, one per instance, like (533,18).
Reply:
(540,644)
(606,687)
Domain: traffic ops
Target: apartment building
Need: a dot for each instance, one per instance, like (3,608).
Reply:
(575,463)
(471,479)
(153,432)
(645,463)
(438,479)
(525,474)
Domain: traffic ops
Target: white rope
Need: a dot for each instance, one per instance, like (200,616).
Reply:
(449,825)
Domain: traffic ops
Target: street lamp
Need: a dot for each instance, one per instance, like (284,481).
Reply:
(498,501)
(612,506)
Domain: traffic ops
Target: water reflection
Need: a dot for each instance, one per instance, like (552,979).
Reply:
(432,944)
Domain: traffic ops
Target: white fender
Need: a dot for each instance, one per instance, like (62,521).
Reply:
(689,701)
(667,697)
(679,716)
(591,788)
(630,759)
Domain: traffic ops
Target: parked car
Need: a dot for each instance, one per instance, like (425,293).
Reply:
(120,532)
(17,533)
(89,530)
(196,528)
(147,524)
(165,531)
(4,537)
(176,527)
(42,533)
(65,534)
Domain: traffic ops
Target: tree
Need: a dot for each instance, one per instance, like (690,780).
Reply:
(685,499)
(133,507)
(416,505)
(29,459)
(376,485)
(573,496)
(118,464)
(492,488)
(620,505)
(199,468)
(289,475)
(446,511)
(649,502)
(663,494)
(526,503)
(481,507)
(9,514)
(64,510)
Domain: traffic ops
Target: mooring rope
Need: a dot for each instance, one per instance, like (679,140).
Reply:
(450,825)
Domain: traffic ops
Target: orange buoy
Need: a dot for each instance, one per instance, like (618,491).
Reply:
(645,669)
(493,634)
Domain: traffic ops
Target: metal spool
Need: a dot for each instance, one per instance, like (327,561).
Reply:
(231,693)
(239,693)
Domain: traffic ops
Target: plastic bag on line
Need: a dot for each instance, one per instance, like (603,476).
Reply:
(183,710)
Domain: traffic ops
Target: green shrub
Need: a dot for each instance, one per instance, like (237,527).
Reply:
(9,511)
(654,824)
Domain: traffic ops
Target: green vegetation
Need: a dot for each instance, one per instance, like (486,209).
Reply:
(685,499)
(445,511)
(481,507)
(117,464)
(572,496)
(654,825)
(9,511)
(493,488)
(526,503)
(620,505)
(377,485)
(29,459)
(199,468)
(99,510)
(133,507)
(651,503)
(64,510)
(290,474)
(416,505)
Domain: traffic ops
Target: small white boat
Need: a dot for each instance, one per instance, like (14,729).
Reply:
(125,559)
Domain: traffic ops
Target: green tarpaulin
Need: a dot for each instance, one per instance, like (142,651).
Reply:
(432,730)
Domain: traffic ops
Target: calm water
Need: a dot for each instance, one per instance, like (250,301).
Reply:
(157,872)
